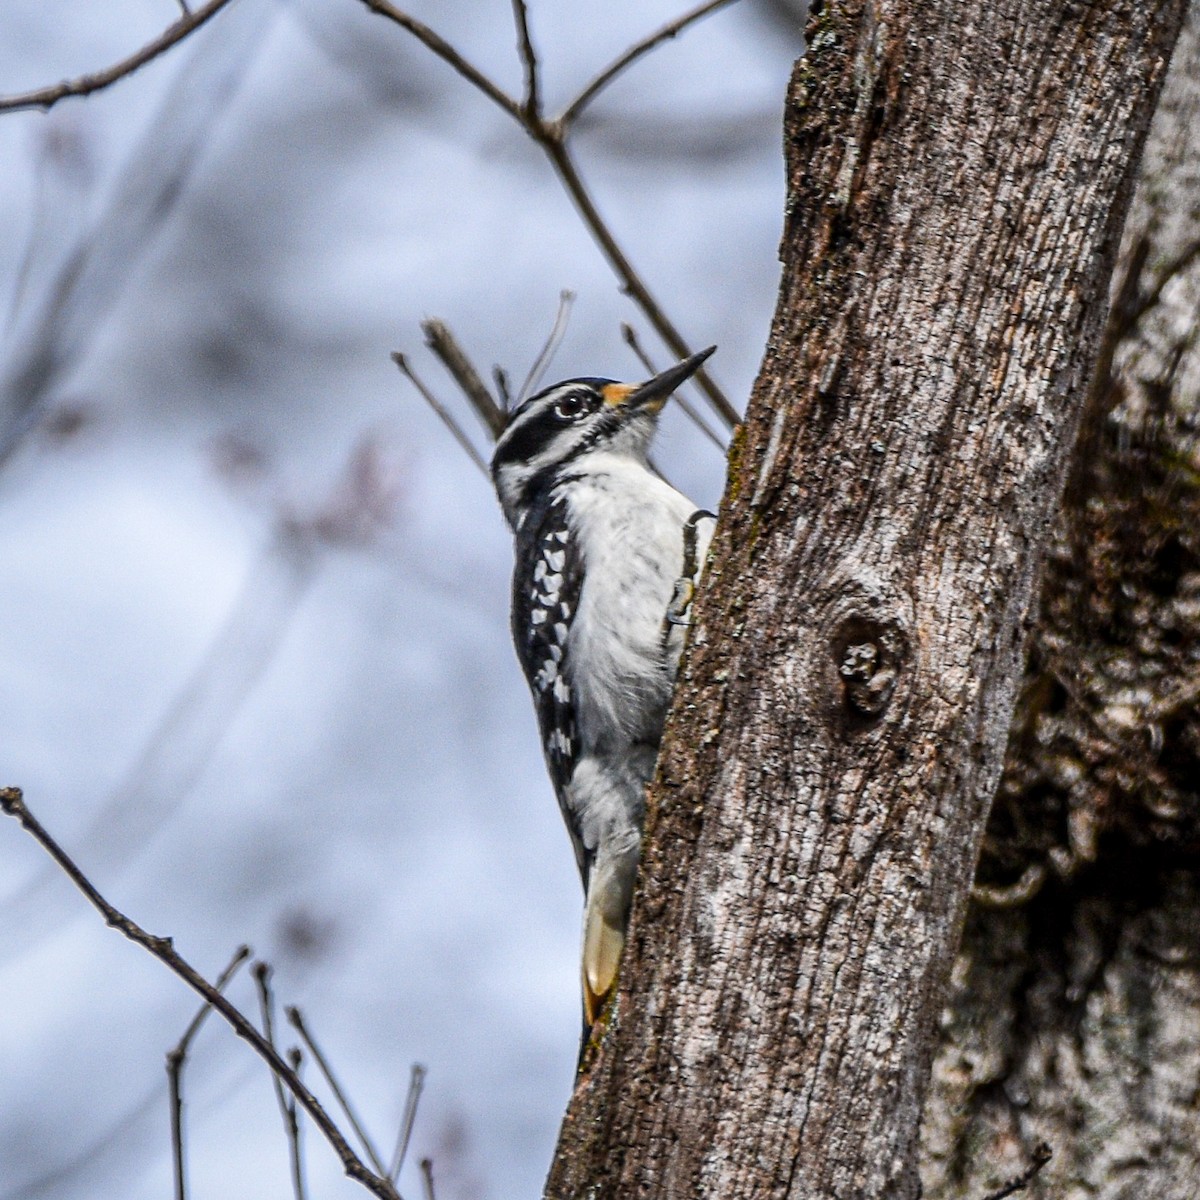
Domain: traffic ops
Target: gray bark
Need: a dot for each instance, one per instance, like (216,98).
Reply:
(1075,1012)
(958,176)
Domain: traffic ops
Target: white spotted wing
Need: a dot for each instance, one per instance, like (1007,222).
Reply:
(546,587)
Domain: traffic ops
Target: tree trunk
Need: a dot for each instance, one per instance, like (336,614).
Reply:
(959,172)
(1075,1011)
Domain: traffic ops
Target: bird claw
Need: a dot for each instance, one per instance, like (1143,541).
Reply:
(681,602)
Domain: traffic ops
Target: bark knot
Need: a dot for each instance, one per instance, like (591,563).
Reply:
(869,654)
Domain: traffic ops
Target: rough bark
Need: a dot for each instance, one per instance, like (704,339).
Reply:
(958,174)
(1075,1011)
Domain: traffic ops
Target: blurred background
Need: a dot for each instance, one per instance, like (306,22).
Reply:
(257,675)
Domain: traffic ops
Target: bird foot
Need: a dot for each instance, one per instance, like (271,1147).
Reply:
(679,610)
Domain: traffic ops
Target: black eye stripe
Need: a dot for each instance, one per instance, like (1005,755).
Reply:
(536,422)
(527,440)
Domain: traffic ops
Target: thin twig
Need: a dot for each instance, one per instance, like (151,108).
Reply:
(1182,262)
(46,97)
(997,896)
(1042,1154)
(447,417)
(294,1016)
(632,341)
(533,102)
(630,338)
(636,51)
(503,390)
(447,54)
(415,1083)
(12,803)
(296,1062)
(454,358)
(427,1177)
(1168,705)
(287,1105)
(550,347)
(175,1060)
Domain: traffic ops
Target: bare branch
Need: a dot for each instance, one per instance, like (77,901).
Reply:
(297,1021)
(444,344)
(415,1083)
(564,166)
(178,1158)
(447,417)
(222,981)
(1042,1154)
(565,300)
(630,338)
(492,413)
(1013,895)
(551,136)
(634,343)
(287,1105)
(533,102)
(1103,392)
(1127,292)
(85,85)
(175,1061)
(636,51)
(12,802)
(448,54)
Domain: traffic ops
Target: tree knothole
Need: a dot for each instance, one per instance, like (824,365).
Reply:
(868,654)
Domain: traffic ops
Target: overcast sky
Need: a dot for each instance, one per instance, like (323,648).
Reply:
(253,629)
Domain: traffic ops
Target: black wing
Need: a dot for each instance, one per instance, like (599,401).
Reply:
(546,585)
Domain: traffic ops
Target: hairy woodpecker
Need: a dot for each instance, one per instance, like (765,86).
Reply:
(607,554)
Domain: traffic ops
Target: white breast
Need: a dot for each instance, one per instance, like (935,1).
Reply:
(630,526)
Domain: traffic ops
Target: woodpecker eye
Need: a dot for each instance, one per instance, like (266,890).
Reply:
(571,407)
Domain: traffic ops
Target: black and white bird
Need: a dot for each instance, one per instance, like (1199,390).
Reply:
(607,554)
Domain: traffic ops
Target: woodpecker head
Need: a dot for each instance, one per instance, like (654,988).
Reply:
(577,417)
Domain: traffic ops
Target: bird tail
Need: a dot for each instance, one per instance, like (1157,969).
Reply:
(603,942)
(602,946)
(610,881)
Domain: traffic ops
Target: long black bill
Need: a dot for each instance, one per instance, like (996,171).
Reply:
(664,383)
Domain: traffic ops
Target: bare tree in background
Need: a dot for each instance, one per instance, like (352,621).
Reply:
(1075,1007)
(959,175)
